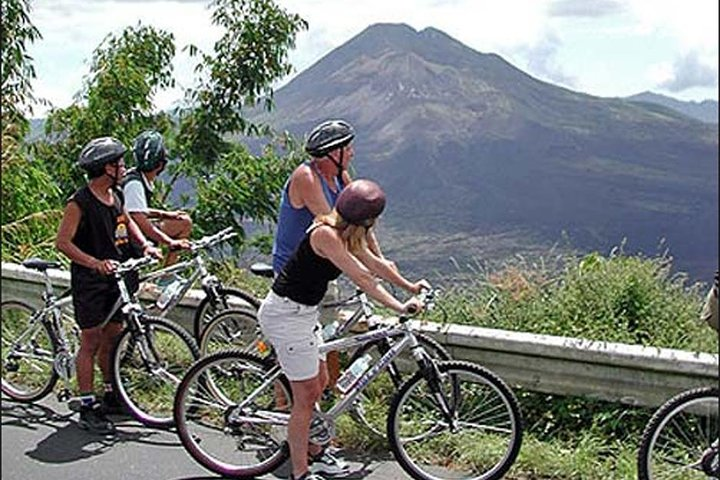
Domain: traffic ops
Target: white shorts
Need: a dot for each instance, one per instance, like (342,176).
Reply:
(294,332)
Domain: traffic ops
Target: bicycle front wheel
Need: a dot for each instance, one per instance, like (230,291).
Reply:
(680,441)
(147,368)
(470,427)
(227,298)
(28,353)
(371,408)
(230,329)
(230,419)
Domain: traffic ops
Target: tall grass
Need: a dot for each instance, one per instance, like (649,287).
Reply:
(617,298)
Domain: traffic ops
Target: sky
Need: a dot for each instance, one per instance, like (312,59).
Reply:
(608,48)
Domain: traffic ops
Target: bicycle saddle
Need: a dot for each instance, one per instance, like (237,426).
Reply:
(41,265)
(262,270)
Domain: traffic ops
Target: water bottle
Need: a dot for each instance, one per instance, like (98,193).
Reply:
(319,431)
(353,373)
(168,294)
(329,330)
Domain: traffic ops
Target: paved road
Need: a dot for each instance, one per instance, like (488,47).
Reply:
(43,442)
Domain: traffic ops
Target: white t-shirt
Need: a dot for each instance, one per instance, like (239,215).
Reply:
(134,191)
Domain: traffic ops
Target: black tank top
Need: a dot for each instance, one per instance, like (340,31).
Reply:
(103,230)
(305,277)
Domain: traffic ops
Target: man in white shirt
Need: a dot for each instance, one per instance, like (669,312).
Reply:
(171,228)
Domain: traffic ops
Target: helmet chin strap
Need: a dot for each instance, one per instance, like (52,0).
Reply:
(339,164)
(114,178)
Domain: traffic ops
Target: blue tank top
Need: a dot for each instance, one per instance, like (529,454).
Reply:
(293,222)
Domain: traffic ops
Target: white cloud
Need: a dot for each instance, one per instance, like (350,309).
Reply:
(688,72)
(533,35)
(585,8)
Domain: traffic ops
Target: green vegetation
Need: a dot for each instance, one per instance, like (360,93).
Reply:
(629,299)
(618,298)
(126,71)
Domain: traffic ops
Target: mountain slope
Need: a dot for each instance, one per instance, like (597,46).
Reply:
(472,150)
(705,111)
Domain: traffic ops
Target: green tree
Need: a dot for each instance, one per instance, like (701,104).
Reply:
(116,99)
(29,198)
(17,31)
(250,56)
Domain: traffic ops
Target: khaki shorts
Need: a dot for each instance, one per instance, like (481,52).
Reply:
(294,332)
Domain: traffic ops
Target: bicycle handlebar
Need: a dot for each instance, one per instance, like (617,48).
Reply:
(135,264)
(210,240)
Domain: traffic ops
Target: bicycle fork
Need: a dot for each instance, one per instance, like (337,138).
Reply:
(433,377)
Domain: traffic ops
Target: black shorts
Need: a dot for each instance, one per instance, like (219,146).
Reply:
(94,296)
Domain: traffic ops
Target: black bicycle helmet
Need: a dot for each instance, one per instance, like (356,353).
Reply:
(360,202)
(328,136)
(101,151)
(149,150)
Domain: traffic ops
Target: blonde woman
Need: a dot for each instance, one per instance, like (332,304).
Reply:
(335,243)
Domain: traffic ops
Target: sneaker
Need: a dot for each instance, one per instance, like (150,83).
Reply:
(111,404)
(328,464)
(307,476)
(93,419)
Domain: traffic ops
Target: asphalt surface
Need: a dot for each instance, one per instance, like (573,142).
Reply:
(42,441)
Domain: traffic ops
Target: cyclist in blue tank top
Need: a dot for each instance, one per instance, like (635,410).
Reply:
(313,187)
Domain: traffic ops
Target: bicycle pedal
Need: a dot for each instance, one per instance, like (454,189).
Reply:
(74,404)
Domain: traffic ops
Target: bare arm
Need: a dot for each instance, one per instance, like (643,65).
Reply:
(137,233)
(387,270)
(306,191)
(145,227)
(328,244)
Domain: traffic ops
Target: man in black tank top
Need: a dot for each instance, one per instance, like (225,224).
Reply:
(95,233)
(336,243)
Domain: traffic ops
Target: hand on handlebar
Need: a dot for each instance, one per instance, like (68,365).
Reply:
(152,251)
(420,285)
(105,267)
(413,306)
(179,244)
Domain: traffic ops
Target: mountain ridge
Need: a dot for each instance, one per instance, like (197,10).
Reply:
(486,148)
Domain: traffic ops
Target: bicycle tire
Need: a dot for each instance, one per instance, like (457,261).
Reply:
(234,329)
(203,409)
(415,416)
(685,415)
(371,408)
(210,307)
(151,402)
(17,314)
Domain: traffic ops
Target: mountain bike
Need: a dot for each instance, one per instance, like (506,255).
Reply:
(218,297)
(239,329)
(680,442)
(229,422)
(147,361)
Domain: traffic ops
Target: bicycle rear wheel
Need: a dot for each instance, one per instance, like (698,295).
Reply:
(680,441)
(231,329)
(371,408)
(228,297)
(219,435)
(28,354)
(479,437)
(148,367)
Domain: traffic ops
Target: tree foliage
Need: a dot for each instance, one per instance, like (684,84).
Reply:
(127,69)
(30,200)
(116,99)
(250,56)
(16,32)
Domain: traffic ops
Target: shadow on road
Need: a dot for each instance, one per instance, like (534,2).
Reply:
(68,442)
